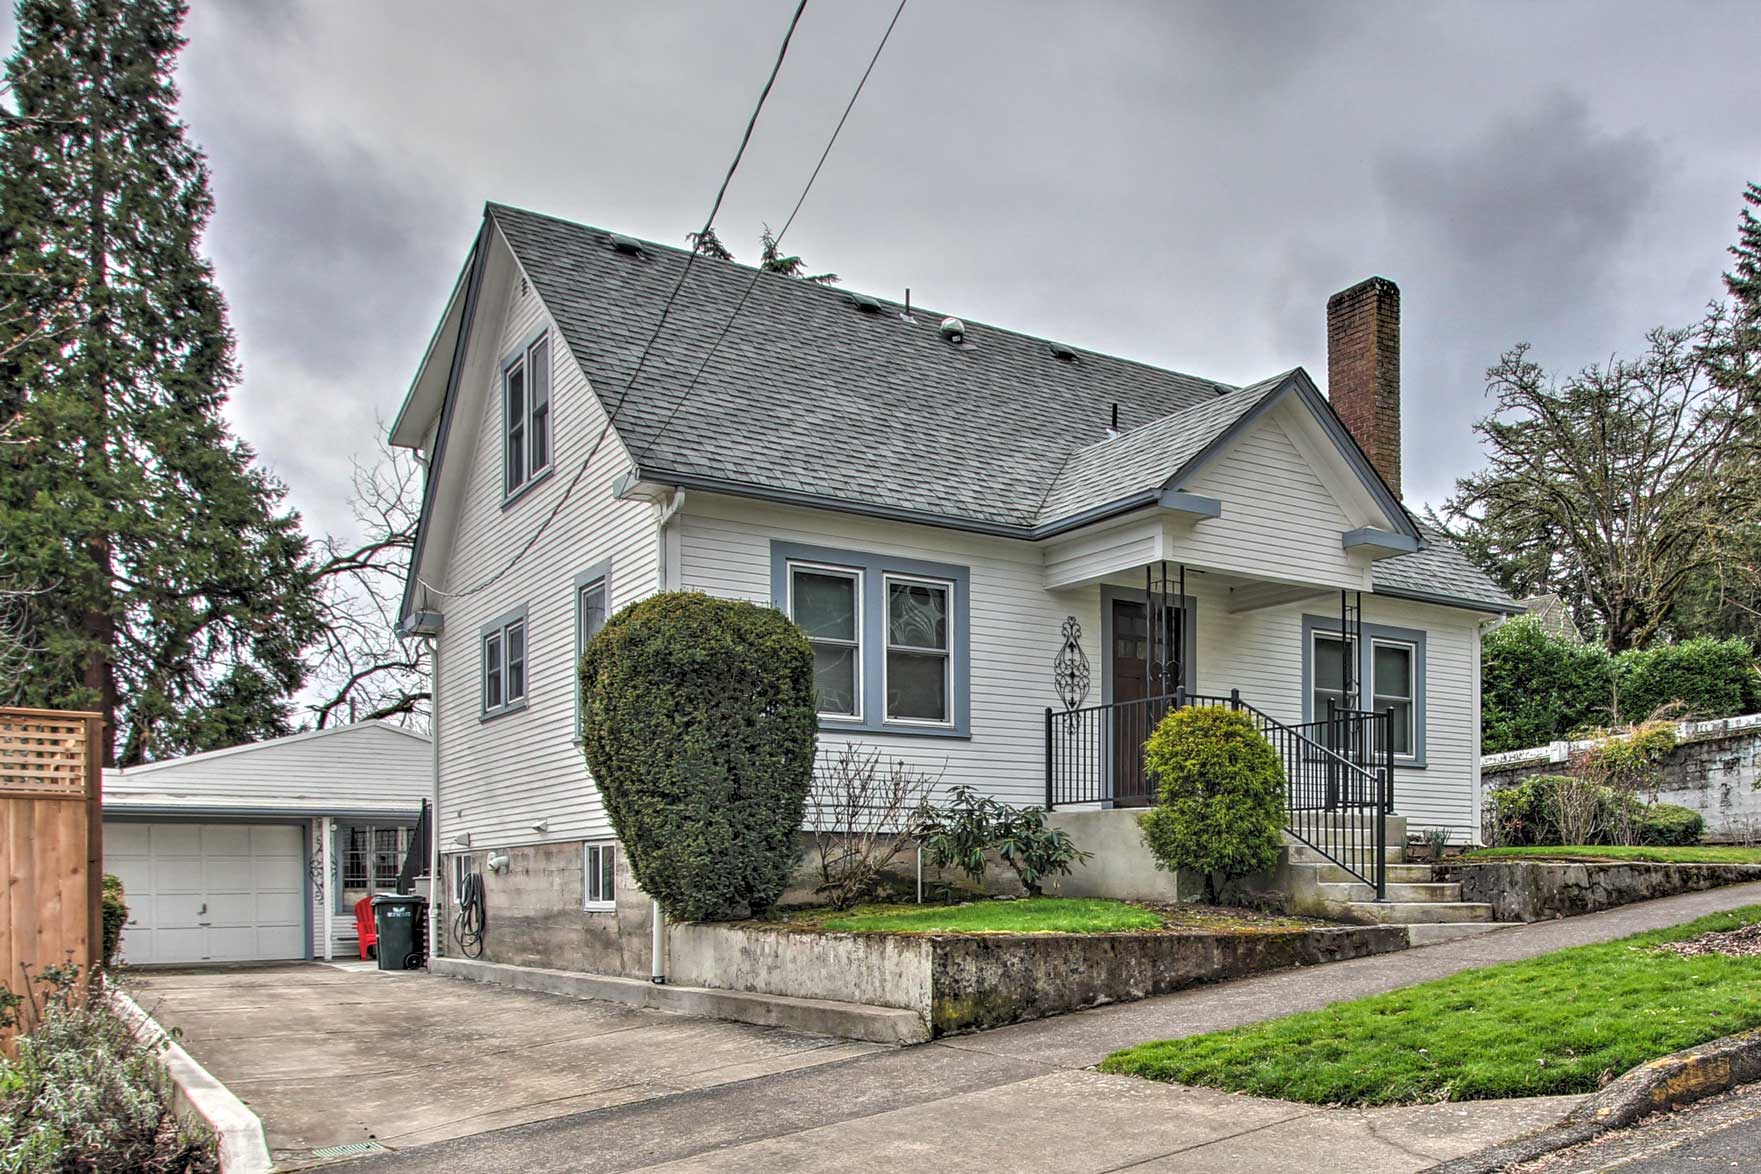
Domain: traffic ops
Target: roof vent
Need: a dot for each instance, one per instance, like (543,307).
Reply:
(626,244)
(1062,352)
(865,303)
(953,330)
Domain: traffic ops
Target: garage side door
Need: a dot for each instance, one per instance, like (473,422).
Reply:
(209,892)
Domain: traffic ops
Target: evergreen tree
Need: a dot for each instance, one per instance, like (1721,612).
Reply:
(171,590)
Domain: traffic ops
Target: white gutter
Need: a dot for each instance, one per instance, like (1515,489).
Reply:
(435,872)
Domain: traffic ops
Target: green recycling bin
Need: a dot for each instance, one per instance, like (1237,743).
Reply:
(402,925)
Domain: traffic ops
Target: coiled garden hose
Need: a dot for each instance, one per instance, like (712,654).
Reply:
(467,923)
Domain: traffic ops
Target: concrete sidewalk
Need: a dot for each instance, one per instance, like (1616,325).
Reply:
(1020,1098)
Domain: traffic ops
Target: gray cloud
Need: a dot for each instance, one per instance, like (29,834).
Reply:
(1183,184)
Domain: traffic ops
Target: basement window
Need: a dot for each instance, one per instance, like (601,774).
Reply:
(599,864)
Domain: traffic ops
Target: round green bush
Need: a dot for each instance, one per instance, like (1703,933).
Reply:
(1219,795)
(698,723)
(1665,825)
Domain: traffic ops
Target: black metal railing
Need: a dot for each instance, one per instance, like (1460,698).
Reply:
(1338,771)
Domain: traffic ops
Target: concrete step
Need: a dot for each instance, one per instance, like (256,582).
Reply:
(1301,853)
(1430,934)
(1402,893)
(862,1021)
(1404,874)
(1415,912)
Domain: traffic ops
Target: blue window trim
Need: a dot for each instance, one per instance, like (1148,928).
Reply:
(498,624)
(1329,625)
(513,356)
(1189,608)
(875,568)
(599,572)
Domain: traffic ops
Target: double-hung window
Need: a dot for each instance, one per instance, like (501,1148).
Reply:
(1331,657)
(827,603)
(504,664)
(1392,665)
(889,637)
(525,413)
(592,601)
(599,861)
(919,666)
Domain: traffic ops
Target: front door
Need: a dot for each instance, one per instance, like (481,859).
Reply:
(1137,688)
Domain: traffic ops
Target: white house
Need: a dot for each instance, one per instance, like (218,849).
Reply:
(259,852)
(968,521)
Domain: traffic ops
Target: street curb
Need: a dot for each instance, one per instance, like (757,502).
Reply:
(239,1131)
(1665,1083)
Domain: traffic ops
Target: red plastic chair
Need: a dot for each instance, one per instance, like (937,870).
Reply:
(364,928)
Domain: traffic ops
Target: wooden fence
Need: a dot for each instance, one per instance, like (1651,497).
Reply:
(51,842)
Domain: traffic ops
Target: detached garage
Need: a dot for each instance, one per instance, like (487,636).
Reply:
(259,852)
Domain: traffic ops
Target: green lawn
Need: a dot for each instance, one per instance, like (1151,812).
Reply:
(1694,854)
(1559,1023)
(1032,915)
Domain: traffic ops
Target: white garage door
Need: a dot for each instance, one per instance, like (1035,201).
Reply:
(210,892)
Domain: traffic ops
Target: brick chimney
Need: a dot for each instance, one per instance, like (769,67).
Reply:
(1363,369)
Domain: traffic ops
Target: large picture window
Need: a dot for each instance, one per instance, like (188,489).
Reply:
(525,414)
(891,652)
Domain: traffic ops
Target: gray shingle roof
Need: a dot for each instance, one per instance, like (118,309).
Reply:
(1441,573)
(810,395)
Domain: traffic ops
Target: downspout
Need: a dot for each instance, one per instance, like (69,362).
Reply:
(666,579)
(435,872)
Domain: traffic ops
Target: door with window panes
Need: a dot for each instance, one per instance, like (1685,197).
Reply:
(370,857)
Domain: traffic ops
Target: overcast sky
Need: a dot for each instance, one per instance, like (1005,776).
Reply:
(1178,182)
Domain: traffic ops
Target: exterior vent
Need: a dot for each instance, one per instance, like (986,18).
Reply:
(626,244)
(953,330)
(1063,353)
(865,303)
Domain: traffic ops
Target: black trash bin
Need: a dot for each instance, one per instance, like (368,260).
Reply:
(402,925)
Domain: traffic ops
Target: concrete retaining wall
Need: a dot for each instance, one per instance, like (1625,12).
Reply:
(1538,890)
(967,982)
(1716,770)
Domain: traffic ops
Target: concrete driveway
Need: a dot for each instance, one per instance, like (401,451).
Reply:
(330,1057)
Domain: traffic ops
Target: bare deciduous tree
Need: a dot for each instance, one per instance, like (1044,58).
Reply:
(362,669)
(1616,486)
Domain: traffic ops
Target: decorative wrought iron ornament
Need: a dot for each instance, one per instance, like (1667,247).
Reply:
(1070,671)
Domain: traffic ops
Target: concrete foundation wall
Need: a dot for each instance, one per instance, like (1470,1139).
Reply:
(1534,890)
(851,968)
(1122,867)
(534,915)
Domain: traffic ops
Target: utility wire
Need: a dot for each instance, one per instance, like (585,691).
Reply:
(759,272)
(660,324)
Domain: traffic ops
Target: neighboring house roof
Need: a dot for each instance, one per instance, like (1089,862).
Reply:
(1554,616)
(818,398)
(363,768)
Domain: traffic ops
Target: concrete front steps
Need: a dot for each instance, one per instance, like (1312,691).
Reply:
(1432,911)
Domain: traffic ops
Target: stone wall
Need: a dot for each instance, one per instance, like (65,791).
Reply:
(534,916)
(1540,890)
(966,982)
(1716,770)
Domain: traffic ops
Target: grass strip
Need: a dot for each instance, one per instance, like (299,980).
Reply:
(1565,1022)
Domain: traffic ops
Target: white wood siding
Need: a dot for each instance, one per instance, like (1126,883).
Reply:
(369,766)
(501,776)
(1015,636)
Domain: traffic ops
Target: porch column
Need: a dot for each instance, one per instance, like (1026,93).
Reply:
(325,836)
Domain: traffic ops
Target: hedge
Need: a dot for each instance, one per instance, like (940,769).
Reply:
(699,725)
(1536,688)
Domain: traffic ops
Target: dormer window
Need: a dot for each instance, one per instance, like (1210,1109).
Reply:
(525,414)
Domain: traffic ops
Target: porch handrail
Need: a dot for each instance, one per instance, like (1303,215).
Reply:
(1330,796)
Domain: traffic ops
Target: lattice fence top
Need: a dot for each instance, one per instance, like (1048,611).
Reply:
(42,754)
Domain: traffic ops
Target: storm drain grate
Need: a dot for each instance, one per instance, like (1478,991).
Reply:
(350,1150)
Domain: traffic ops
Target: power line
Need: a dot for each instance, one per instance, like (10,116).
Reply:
(759,272)
(659,325)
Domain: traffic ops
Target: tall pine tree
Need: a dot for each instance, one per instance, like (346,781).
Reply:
(172,592)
